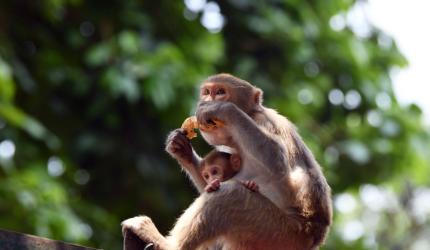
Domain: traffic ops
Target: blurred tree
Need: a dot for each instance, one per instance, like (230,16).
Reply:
(89,90)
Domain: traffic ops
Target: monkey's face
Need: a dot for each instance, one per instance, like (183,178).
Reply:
(210,91)
(221,168)
(246,97)
(213,172)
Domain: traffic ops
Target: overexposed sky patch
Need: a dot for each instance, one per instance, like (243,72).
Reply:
(407,21)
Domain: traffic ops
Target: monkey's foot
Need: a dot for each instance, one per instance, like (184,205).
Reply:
(144,228)
(132,241)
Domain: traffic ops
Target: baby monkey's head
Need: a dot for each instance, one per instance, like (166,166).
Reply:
(219,165)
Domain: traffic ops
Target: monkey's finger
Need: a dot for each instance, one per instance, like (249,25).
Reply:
(212,188)
(178,131)
(182,140)
(182,132)
(179,135)
(201,115)
(173,144)
(174,134)
(175,148)
(176,143)
(201,119)
(253,186)
(216,183)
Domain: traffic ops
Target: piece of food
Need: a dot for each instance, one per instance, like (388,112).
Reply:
(190,124)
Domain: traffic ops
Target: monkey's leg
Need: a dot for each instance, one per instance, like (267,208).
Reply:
(144,228)
(248,218)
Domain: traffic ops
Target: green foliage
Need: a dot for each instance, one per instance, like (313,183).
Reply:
(90,89)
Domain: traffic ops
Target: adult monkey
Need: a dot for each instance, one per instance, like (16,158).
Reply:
(293,209)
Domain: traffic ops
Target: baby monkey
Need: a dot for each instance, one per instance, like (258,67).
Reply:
(218,166)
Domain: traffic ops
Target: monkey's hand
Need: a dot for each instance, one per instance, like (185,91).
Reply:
(251,185)
(179,146)
(213,186)
(209,112)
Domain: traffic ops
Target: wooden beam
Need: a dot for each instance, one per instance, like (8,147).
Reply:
(17,241)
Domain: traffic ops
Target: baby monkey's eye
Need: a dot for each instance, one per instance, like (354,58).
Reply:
(206,176)
(220,92)
(205,91)
(214,172)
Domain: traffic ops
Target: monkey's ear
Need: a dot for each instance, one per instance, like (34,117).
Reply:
(258,96)
(235,162)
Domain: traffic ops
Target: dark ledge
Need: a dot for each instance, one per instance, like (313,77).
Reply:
(132,242)
(18,241)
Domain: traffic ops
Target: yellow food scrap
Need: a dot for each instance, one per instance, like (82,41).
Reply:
(190,124)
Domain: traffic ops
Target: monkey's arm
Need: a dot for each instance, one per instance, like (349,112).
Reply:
(179,147)
(248,137)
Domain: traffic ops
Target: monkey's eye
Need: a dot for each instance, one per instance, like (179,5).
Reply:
(206,176)
(220,92)
(214,172)
(205,91)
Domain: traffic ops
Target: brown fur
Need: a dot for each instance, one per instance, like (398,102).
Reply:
(213,155)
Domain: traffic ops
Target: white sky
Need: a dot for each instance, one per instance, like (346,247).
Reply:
(408,22)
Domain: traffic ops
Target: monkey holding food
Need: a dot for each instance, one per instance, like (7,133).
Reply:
(291,211)
(216,166)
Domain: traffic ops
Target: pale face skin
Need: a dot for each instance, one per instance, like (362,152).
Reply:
(219,169)
(214,92)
